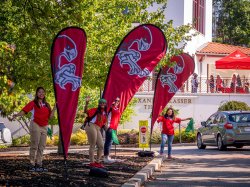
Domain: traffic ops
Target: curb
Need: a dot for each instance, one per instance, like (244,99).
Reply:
(142,176)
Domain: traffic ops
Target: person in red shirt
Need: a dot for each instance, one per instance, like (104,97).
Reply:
(96,119)
(167,133)
(113,121)
(41,113)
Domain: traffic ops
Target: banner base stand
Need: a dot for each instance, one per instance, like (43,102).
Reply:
(146,153)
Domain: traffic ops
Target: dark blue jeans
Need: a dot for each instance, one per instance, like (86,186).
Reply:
(165,138)
(108,142)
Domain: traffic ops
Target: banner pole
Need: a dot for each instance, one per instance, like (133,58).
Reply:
(150,142)
(180,132)
(63,148)
(100,92)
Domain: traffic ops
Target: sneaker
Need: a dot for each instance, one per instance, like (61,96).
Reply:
(162,154)
(170,157)
(108,160)
(119,160)
(41,169)
(99,165)
(92,164)
(96,165)
(32,168)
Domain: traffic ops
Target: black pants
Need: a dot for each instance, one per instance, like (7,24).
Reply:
(108,142)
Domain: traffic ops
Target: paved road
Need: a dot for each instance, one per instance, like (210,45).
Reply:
(209,167)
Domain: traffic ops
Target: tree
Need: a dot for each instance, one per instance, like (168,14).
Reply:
(31,25)
(232,22)
(233,105)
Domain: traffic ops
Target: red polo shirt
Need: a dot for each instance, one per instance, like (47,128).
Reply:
(100,122)
(168,124)
(40,115)
(114,118)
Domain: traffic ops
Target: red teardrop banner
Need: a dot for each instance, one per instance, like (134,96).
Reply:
(67,62)
(135,58)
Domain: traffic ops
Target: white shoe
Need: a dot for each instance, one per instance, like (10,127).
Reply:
(108,160)
(119,160)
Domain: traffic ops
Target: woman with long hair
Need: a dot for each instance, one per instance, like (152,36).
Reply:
(41,113)
(95,121)
(113,122)
(167,134)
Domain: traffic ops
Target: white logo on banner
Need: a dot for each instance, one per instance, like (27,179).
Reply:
(170,78)
(66,73)
(130,57)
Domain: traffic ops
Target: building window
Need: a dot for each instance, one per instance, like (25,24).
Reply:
(199,15)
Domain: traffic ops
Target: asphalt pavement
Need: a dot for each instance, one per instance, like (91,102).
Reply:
(209,167)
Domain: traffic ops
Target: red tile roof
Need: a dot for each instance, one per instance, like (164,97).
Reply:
(213,48)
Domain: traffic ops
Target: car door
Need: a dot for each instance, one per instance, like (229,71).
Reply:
(207,131)
(216,127)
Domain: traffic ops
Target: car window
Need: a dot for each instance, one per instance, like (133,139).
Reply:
(223,118)
(217,118)
(240,118)
(211,119)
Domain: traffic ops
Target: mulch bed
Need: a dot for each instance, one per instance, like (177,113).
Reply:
(14,170)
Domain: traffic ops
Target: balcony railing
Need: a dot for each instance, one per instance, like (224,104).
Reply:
(204,86)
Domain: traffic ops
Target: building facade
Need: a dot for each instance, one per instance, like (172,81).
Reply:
(204,103)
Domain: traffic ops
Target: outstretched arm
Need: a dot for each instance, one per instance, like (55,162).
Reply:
(86,104)
(21,113)
(185,119)
(52,112)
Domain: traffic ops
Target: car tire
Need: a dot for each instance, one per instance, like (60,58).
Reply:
(200,144)
(220,143)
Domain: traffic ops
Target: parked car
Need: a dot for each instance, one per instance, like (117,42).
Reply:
(5,135)
(225,128)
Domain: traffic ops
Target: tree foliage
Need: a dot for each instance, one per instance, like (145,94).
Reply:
(28,28)
(233,105)
(233,22)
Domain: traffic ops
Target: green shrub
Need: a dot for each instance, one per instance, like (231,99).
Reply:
(156,137)
(134,138)
(56,140)
(127,136)
(189,137)
(25,140)
(52,142)
(233,105)
(123,138)
(79,138)
(16,142)
(21,141)
(3,146)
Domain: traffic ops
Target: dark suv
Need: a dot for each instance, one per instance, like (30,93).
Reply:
(225,128)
